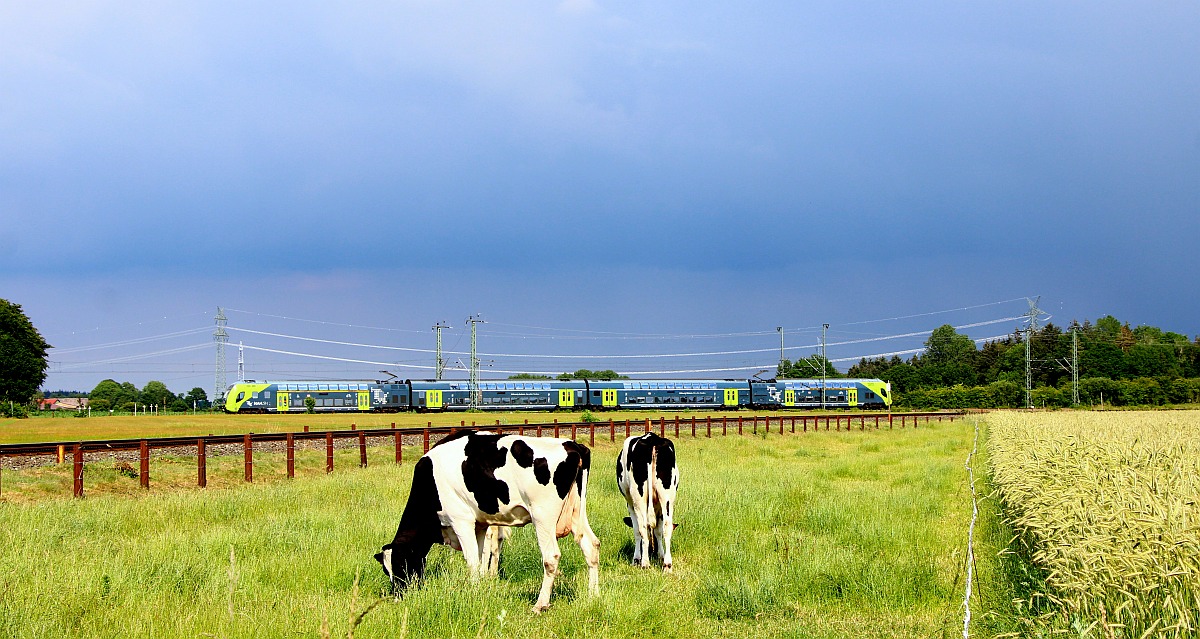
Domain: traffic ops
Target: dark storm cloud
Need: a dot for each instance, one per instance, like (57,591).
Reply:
(947,149)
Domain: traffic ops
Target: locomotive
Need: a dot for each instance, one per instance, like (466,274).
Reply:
(251,396)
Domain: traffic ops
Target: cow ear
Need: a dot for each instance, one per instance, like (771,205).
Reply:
(629,522)
(379,557)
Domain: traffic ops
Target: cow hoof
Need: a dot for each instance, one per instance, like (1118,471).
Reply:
(667,569)
(539,609)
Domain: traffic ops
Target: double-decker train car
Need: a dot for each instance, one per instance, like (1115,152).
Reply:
(455,395)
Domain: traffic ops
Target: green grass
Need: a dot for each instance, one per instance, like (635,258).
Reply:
(817,534)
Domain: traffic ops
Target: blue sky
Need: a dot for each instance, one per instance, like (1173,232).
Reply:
(668,169)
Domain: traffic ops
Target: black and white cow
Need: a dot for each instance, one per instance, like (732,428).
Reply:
(472,483)
(648,478)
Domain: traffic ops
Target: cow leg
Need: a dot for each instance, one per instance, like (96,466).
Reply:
(640,519)
(662,535)
(590,545)
(548,544)
(469,535)
(644,535)
(490,550)
(635,523)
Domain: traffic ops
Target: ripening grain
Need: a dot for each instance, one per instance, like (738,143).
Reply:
(1106,505)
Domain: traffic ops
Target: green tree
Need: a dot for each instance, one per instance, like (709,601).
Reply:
(156,393)
(23,361)
(584,373)
(947,346)
(196,397)
(107,391)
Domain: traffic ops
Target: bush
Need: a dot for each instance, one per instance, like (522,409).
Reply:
(587,416)
(14,410)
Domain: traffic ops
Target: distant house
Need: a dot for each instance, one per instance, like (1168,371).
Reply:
(63,403)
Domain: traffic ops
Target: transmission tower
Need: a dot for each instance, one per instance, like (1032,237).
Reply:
(1075,365)
(241,363)
(222,338)
(474,383)
(1032,316)
(439,365)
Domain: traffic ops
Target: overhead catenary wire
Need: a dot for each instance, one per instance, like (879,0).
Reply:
(681,361)
(593,356)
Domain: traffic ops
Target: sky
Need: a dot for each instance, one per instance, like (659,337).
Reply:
(598,181)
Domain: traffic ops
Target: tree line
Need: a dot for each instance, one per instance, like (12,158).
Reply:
(124,396)
(1117,365)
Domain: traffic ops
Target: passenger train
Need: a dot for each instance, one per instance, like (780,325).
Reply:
(251,396)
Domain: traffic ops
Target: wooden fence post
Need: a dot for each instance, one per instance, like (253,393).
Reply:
(362,449)
(425,439)
(740,425)
(201,464)
(249,457)
(329,451)
(592,435)
(77,470)
(399,447)
(693,425)
(144,457)
(291,456)
(612,430)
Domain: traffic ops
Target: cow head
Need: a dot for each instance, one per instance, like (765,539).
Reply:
(402,564)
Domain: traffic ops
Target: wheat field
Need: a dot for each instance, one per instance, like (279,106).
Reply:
(1104,506)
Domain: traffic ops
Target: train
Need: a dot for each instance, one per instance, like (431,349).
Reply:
(250,396)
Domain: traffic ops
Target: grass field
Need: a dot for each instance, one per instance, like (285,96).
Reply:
(829,534)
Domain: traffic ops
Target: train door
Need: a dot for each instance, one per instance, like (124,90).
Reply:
(609,398)
(433,399)
(852,397)
(566,398)
(731,397)
(364,400)
(281,401)
(789,397)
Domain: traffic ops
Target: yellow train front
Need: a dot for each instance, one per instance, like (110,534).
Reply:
(250,396)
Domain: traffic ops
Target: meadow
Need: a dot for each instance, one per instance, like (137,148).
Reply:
(826,534)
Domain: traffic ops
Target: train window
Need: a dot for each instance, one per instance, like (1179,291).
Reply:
(595,393)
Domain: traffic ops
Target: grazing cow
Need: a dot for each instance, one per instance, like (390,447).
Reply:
(648,478)
(474,482)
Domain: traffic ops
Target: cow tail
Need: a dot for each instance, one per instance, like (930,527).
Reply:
(651,517)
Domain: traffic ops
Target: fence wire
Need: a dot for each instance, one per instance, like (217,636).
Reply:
(971,534)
